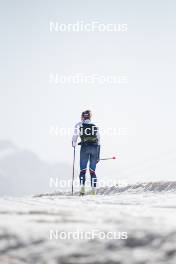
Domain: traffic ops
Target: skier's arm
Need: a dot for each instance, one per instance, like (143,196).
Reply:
(75,135)
(98,136)
(98,148)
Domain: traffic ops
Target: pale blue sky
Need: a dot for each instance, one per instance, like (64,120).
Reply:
(29,105)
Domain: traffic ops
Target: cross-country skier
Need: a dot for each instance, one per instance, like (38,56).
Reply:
(90,149)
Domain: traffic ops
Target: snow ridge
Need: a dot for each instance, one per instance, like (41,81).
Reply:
(155,187)
(164,186)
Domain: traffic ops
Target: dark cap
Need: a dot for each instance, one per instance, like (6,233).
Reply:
(86,114)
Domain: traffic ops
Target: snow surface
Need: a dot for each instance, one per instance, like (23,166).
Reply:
(149,218)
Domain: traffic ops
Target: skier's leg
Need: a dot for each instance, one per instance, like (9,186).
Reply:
(84,156)
(92,167)
(93,178)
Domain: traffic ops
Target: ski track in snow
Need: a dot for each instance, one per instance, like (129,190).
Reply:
(148,218)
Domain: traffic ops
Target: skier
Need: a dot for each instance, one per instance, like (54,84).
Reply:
(90,149)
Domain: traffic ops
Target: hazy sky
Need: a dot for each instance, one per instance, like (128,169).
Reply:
(145,107)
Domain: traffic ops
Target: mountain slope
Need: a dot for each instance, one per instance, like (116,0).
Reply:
(22,172)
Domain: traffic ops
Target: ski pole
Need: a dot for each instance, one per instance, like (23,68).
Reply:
(73,172)
(108,158)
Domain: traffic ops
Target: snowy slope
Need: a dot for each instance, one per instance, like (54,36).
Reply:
(149,218)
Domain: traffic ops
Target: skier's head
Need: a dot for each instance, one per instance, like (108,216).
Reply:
(86,115)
